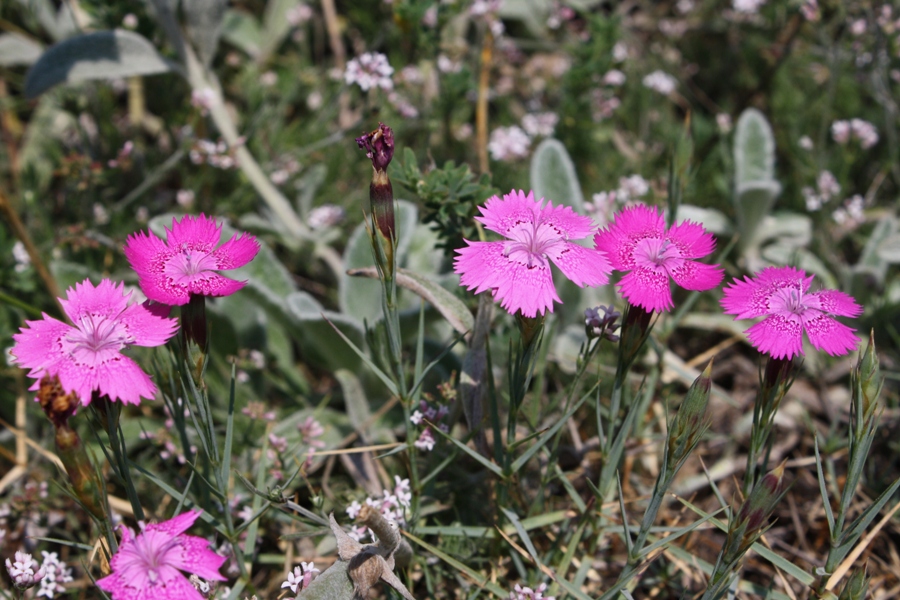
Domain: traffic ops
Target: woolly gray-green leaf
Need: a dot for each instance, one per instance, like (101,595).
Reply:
(99,55)
(754,148)
(16,49)
(203,19)
(553,176)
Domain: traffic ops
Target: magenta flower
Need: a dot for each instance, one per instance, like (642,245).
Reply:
(517,270)
(637,241)
(148,566)
(188,261)
(87,356)
(782,296)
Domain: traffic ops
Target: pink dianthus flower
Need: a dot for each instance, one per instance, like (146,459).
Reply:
(637,241)
(148,566)
(782,296)
(188,261)
(87,356)
(517,270)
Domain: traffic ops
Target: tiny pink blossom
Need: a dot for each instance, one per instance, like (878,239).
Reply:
(87,356)
(782,296)
(517,270)
(637,241)
(188,261)
(149,565)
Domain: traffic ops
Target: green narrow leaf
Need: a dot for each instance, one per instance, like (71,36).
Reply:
(826,501)
(526,456)
(99,55)
(523,535)
(494,468)
(475,576)
(378,372)
(553,176)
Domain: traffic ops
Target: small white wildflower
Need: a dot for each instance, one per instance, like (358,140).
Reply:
(327,215)
(805,142)
(130,21)
(540,124)
(614,77)
(21,256)
(370,70)
(723,121)
(509,143)
(660,81)
(184,198)
(865,132)
(747,6)
(425,441)
(840,131)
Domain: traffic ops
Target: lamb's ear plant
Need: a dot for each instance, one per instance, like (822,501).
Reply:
(755,186)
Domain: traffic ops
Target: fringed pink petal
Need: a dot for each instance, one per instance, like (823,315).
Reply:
(107,299)
(119,379)
(195,557)
(200,232)
(177,524)
(570,224)
(629,227)
(148,328)
(829,335)
(834,302)
(501,215)
(583,266)
(647,288)
(528,290)
(145,252)
(480,265)
(752,297)
(38,344)
(692,275)
(692,240)
(236,252)
(779,336)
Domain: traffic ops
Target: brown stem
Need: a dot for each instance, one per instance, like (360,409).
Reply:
(481,107)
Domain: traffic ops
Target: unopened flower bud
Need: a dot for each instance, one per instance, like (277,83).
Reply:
(691,420)
(856,587)
(761,502)
(601,322)
(867,378)
(635,329)
(379,146)
(24,571)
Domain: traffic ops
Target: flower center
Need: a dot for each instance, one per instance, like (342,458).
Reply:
(789,299)
(189,265)
(655,251)
(96,338)
(531,242)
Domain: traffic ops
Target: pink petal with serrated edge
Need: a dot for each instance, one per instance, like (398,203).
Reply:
(647,288)
(834,302)
(695,276)
(778,336)
(503,214)
(147,328)
(829,335)
(750,298)
(107,299)
(177,524)
(197,558)
(572,225)
(37,345)
(483,266)
(629,227)
(145,252)
(691,239)
(195,232)
(583,266)
(236,252)
(119,379)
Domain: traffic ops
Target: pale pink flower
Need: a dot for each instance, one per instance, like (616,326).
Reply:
(509,143)
(782,296)
(526,593)
(517,270)
(660,81)
(637,241)
(540,124)
(370,70)
(840,131)
(24,571)
(300,577)
(187,263)
(150,565)
(614,77)
(425,441)
(87,356)
(747,6)
(865,132)
(57,573)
